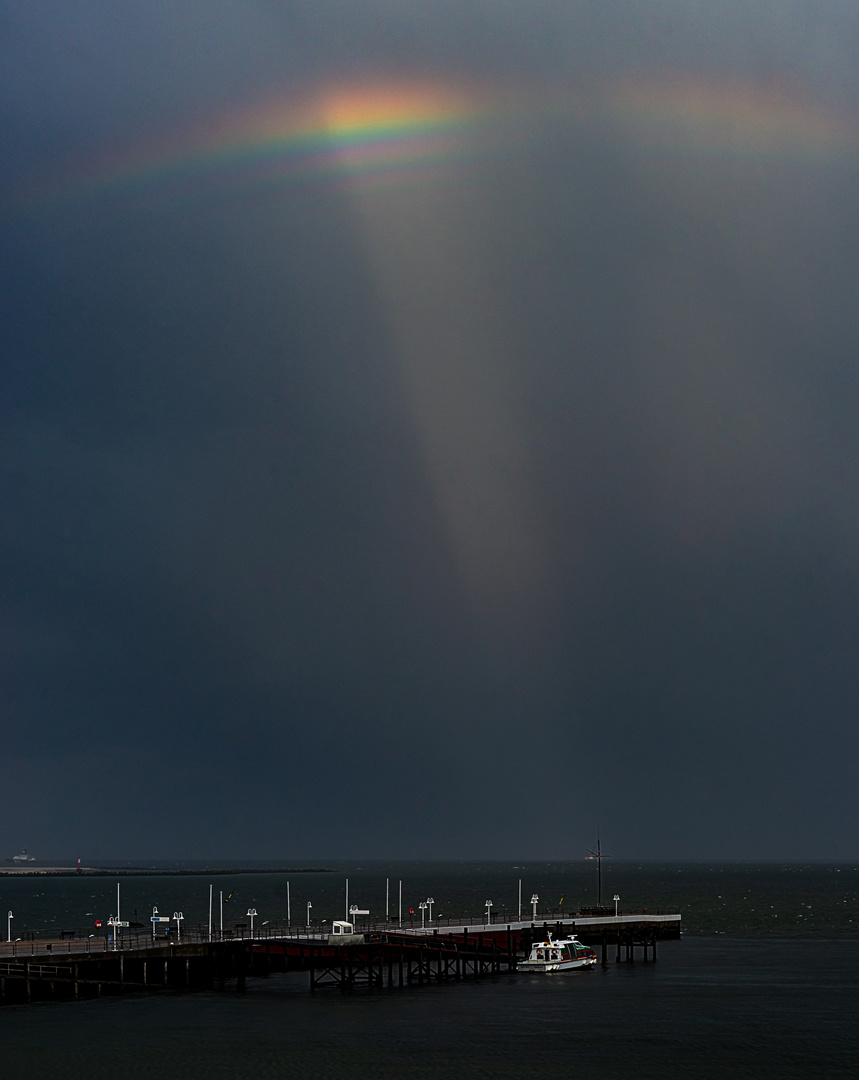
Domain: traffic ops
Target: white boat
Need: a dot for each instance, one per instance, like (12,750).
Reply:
(17,860)
(561,954)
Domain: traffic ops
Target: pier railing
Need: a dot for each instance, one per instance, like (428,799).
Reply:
(48,941)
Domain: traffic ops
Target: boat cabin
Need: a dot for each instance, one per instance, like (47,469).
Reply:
(558,950)
(558,955)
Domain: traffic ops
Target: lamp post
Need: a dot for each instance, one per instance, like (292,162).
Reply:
(534,900)
(309,906)
(616,898)
(178,916)
(488,905)
(9,918)
(423,906)
(252,911)
(154,924)
(430,902)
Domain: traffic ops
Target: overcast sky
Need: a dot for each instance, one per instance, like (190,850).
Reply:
(429,429)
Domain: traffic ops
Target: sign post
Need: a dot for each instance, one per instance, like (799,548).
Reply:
(156,919)
(354,910)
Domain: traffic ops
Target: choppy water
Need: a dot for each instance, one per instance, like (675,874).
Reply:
(764,984)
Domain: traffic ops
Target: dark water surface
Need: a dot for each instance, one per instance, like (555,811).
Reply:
(766,900)
(764,984)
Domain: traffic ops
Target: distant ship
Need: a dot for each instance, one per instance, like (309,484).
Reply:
(16,860)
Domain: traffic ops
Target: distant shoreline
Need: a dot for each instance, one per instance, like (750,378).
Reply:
(92,871)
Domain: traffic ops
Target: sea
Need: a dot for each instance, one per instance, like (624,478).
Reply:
(764,982)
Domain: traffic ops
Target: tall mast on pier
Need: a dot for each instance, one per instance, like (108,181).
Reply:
(599,855)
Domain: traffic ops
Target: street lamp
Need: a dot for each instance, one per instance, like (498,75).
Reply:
(534,900)
(252,911)
(423,906)
(430,902)
(178,916)
(615,898)
(488,905)
(309,906)
(9,918)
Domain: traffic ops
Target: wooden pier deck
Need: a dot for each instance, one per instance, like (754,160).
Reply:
(667,923)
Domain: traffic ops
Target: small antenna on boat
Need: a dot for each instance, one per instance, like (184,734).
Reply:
(599,855)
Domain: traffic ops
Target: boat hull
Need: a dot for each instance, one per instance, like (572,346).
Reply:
(550,966)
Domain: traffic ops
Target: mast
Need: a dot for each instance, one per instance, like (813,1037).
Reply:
(599,855)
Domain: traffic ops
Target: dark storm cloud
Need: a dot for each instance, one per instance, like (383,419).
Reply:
(527,495)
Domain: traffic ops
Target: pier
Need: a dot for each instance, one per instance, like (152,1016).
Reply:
(35,870)
(69,968)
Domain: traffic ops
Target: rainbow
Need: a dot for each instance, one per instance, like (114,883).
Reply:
(403,131)
(376,133)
